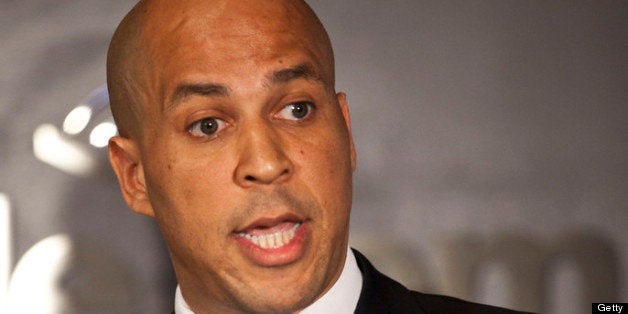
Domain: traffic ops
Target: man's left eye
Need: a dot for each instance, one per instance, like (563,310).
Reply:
(296,111)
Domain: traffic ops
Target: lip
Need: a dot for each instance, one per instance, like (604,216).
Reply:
(266,222)
(275,257)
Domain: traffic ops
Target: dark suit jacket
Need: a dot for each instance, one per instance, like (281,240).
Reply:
(381,294)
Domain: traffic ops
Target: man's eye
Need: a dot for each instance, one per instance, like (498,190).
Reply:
(206,127)
(296,111)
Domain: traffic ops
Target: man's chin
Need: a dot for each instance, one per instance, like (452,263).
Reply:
(288,290)
(278,299)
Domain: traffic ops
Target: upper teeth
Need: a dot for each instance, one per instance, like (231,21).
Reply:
(272,240)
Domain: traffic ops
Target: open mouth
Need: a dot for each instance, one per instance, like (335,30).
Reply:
(274,241)
(272,238)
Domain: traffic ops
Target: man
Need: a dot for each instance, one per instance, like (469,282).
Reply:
(234,139)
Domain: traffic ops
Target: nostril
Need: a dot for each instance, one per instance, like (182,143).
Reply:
(250,178)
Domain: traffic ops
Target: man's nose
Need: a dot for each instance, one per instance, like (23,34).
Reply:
(262,157)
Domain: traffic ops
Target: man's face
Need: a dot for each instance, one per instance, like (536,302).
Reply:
(246,159)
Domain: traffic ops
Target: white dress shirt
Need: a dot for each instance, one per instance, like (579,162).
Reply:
(341,298)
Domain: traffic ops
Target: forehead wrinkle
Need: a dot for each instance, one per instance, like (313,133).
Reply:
(186,89)
(304,70)
(301,71)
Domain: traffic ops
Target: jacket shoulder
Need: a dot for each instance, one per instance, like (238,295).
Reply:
(381,294)
(445,304)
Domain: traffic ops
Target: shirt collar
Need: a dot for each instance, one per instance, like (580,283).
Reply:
(180,306)
(344,294)
(341,298)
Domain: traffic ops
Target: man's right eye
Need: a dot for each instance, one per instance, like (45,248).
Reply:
(206,127)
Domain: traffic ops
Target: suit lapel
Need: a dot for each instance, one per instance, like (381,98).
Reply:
(381,294)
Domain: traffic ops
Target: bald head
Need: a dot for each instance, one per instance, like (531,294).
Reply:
(153,32)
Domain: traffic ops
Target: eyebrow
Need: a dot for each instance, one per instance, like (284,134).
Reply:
(301,71)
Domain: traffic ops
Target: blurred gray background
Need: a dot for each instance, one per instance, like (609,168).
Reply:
(492,143)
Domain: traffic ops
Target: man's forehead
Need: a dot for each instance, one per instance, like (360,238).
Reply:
(224,15)
(194,28)
(231,33)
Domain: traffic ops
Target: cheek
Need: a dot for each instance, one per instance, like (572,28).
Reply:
(188,187)
(330,154)
(326,170)
(188,199)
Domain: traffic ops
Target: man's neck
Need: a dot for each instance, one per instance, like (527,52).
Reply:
(342,297)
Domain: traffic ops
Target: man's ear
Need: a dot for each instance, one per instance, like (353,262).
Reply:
(342,100)
(125,160)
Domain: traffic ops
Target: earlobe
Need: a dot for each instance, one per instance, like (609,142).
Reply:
(342,101)
(125,161)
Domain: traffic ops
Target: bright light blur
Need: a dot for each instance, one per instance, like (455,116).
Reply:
(566,286)
(76,121)
(100,135)
(5,250)
(68,156)
(34,286)
(495,285)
